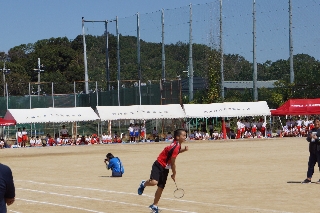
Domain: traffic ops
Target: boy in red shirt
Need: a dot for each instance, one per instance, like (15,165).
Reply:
(160,168)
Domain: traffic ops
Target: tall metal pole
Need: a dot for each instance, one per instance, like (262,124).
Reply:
(97,95)
(52,94)
(39,68)
(255,90)
(190,58)
(7,96)
(29,95)
(118,58)
(86,78)
(163,51)
(221,56)
(291,43)
(107,55)
(138,56)
(75,94)
(4,79)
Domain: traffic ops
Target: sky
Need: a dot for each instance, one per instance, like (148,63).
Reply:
(27,21)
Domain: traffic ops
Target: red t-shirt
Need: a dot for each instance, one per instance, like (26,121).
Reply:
(169,152)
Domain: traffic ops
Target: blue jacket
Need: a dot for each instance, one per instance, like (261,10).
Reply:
(114,164)
(7,189)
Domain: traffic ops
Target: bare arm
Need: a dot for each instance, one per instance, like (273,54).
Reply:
(173,168)
(185,149)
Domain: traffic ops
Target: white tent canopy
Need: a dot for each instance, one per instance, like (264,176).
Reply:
(52,115)
(110,113)
(143,112)
(227,109)
(169,111)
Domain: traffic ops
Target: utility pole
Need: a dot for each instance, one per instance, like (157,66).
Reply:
(255,72)
(221,55)
(291,43)
(40,69)
(4,72)
(190,58)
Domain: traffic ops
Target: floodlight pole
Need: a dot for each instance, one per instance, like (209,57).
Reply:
(86,78)
(4,71)
(163,56)
(107,55)
(39,70)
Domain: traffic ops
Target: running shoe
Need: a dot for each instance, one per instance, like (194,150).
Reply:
(154,209)
(306,181)
(141,187)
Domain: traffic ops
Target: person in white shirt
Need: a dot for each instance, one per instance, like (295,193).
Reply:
(215,135)
(143,132)
(206,135)
(78,140)
(239,126)
(104,138)
(109,138)
(59,141)
(38,141)
(299,124)
(19,137)
(32,141)
(285,131)
(131,133)
(2,143)
(88,140)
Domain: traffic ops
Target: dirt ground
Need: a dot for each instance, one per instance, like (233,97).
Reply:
(240,176)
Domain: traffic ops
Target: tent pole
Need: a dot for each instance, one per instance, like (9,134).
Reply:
(224,129)
(98,129)
(72,129)
(109,127)
(265,131)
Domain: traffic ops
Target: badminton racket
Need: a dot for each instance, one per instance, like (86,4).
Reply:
(178,193)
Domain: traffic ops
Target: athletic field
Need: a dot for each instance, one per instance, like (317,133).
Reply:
(241,176)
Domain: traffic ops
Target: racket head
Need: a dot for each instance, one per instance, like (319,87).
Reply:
(178,193)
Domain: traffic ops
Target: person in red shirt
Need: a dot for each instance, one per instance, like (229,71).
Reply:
(51,141)
(160,168)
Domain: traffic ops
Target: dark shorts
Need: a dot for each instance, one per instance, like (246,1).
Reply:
(159,174)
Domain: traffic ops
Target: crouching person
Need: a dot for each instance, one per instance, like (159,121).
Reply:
(115,164)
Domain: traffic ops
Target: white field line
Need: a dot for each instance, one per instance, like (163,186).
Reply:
(13,211)
(60,205)
(95,199)
(171,199)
